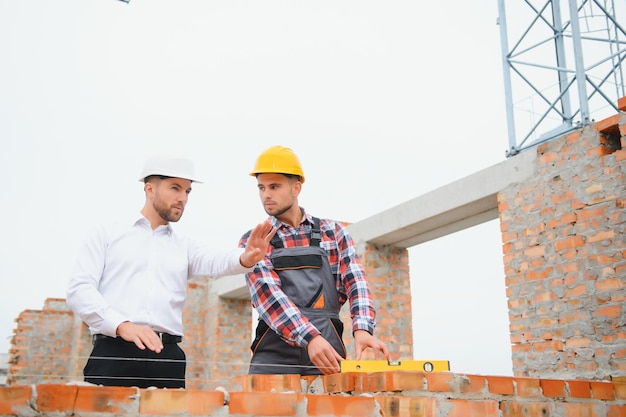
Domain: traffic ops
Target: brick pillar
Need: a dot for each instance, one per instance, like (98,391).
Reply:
(387,271)
(231,343)
(196,324)
(217,336)
(564,250)
(43,345)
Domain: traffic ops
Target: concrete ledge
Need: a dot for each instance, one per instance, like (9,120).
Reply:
(464,203)
(232,286)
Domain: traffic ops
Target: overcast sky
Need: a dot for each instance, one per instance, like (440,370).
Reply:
(382,101)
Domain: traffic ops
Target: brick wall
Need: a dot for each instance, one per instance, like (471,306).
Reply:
(564,243)
(382,394)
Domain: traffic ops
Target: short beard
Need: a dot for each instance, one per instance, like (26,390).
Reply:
(166,213)
(280,211)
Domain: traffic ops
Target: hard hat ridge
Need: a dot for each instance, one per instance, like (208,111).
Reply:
(280,160)
(169,166)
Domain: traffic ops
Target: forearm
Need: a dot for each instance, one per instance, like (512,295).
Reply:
(279,312)
(87,303)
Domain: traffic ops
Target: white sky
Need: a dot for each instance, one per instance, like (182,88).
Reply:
(382,101)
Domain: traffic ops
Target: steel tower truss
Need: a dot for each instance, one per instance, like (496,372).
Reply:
(562,69)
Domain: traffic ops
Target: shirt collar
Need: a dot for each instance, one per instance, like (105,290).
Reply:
(306,219)
(142,221)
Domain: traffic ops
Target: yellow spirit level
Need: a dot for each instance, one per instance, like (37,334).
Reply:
(382,365)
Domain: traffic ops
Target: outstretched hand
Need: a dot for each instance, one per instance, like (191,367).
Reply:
(257,243)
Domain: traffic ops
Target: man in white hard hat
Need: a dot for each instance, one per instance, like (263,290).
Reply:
(130,279)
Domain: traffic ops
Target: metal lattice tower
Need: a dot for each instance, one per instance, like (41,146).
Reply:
(563,66)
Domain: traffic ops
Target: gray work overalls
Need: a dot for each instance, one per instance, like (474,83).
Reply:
(307,280)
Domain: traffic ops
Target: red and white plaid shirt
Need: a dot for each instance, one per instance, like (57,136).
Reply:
(279,312)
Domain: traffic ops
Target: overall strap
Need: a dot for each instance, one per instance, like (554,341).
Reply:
(276,242)
(316,233)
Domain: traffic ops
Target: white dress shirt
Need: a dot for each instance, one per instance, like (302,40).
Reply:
(128,272)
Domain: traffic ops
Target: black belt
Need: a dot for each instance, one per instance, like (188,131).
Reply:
(165,338)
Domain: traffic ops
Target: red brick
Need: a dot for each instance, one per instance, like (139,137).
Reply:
(269,383)
(616,411)
(580,410)
(397,381)
(440,381)
(325,405)
(15,400)
(500,385)
(609,311)
(264,403)
(52,397)
(473,384)
(465,408)
(525,409)
(407,406)
(344,382)
(569,243)
(528,387)
(106,399)
(579,388)
(188,402)
(553,388)
(602,390)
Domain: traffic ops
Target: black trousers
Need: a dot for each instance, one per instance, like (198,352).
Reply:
(116,362)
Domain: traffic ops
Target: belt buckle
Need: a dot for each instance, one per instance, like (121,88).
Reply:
(160,336)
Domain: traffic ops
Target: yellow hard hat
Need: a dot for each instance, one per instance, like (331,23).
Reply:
(279,160)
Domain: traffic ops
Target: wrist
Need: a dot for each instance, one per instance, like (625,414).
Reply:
(242,263)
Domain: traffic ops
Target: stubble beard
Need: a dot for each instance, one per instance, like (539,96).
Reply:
(166,213)
(279,212)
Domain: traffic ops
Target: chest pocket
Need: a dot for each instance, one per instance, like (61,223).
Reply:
(297,262)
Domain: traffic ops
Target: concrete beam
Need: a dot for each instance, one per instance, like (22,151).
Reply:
(232,286)
(464,203)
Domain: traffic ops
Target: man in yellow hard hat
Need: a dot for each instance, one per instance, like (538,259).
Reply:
(311,269)
(130,279)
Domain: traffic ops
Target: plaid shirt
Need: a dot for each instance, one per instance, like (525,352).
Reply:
(280,313)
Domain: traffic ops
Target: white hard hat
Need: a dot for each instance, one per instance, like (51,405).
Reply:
(169,166)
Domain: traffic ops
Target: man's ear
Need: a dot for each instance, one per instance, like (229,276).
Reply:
(148,187)
(297,187)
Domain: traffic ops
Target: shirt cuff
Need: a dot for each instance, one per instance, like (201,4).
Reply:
(110,325)
(310,332)
(363,323)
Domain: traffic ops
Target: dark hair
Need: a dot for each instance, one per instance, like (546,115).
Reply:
(290,176)
(149,177)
